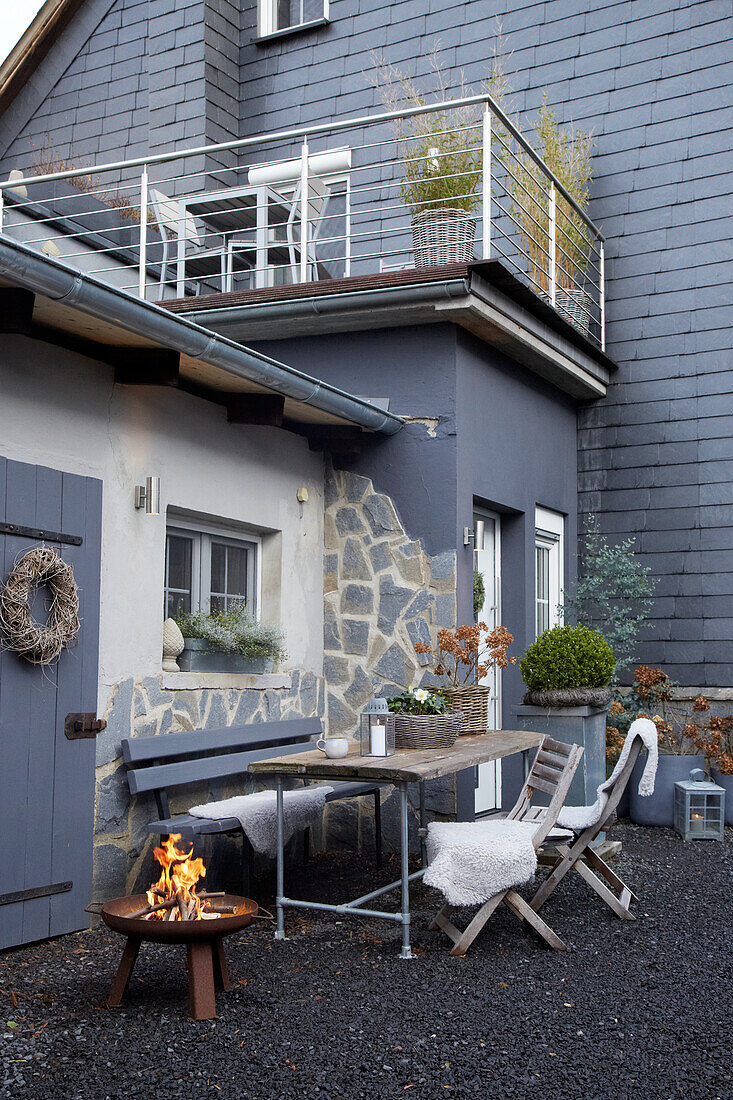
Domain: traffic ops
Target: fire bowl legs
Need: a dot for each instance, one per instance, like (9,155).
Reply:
(207,971)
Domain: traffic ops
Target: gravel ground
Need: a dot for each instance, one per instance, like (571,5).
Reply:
(632,1010)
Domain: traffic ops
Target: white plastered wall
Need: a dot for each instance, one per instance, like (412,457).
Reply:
(62,410)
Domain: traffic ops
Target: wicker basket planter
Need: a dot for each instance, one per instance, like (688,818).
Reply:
(575,306)
(472,701)
(569,697)
(427,731)
(443,236)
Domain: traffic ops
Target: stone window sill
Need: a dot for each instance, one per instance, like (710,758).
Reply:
(285,32)
(242,681)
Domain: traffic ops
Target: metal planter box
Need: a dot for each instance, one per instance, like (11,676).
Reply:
(198,656)
(584,726)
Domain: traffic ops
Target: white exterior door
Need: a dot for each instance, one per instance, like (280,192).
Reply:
(488,562)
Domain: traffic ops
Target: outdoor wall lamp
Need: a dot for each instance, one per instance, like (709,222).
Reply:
(147,496)
(476,536)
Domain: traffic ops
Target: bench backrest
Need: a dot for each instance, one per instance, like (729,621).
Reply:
(175,759)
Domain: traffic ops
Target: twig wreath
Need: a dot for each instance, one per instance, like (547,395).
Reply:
(36,642)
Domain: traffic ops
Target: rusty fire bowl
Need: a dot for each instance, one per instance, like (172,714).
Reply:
(115,916)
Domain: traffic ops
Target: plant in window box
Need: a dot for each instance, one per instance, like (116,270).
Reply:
(441,155)
(230,640)
(465,656)
(424,719)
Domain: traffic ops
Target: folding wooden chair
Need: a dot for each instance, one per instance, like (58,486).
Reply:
(552,772)
(580,857)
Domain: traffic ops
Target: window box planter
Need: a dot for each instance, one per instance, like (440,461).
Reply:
(198,656)
(726,782)
(658,808)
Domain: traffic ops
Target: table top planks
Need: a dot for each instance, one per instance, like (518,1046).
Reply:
(407,765)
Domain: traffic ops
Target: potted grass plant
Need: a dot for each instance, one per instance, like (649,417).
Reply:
(230,640)
(441,157)
(568,154)
(424,719)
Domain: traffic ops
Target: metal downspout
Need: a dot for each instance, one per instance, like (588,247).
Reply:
(48,276)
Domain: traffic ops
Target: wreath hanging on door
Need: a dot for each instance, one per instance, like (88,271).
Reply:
(40,643)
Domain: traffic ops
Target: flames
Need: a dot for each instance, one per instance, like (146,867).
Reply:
(177,883)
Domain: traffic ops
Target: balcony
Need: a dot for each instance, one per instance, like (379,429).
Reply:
(410,191)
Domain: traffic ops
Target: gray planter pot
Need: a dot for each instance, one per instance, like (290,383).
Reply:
(726,782)
(198,656)
(658,808)
(584,726)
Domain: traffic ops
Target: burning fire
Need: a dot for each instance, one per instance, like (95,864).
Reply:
(177,883)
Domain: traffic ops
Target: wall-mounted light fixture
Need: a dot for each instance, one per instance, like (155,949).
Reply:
(147,496)
(476,536)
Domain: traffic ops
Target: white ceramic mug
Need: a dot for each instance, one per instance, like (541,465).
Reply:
(334,747)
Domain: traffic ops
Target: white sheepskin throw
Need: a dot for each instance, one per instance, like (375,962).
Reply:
(578,818)
(257,814)
(470,861)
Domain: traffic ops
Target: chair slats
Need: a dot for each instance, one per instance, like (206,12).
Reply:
(550,774)
(551,759)
(558,747)
(538,784)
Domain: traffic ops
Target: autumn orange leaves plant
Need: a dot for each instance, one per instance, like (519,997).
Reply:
(465,654)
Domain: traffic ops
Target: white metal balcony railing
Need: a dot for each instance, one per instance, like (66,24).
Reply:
(379,193)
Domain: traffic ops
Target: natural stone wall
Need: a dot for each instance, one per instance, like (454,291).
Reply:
(123,848)
(382,594)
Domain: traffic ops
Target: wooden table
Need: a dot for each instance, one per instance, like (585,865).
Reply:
(400,770)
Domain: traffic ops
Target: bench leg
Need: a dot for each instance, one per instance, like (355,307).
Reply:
(306,846)
(378,828)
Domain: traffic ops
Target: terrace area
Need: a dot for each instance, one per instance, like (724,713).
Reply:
(381,200)
(334,1012)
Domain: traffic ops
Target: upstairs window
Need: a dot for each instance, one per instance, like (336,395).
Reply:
(207,570)
(279,16)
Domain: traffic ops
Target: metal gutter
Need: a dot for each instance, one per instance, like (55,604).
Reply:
(320,305)
(58,282)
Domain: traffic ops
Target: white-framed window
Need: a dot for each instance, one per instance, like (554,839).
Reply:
(208,569)
(275,16)
(549,578)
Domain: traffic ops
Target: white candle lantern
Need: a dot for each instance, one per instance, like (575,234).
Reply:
(377,729)
(699,808)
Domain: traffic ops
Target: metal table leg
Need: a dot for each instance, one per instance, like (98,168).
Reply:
(280,929)
(406,952)
(423,844)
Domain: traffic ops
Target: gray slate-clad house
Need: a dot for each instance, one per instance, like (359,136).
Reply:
(154,157)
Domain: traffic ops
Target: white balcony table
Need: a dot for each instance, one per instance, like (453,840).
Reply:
(400,770)
(254,211)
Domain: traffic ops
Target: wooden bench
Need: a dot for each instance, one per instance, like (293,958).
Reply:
(160,764)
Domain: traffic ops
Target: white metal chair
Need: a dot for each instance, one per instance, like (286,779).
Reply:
(318,195)
(168,218)
(552,772)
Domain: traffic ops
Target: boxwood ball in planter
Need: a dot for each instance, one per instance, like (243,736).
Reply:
(567,671)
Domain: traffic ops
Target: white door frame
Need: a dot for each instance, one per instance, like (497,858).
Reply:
(487,795)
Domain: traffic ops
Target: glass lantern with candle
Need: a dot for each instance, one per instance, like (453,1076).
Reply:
(699,807)
(377,729)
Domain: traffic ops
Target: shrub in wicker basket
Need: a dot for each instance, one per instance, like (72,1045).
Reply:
(465,656)
(424,720)
(568,666)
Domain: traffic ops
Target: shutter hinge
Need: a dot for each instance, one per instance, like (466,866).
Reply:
(79,726)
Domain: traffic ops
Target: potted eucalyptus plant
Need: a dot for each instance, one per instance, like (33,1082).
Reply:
(228,640)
